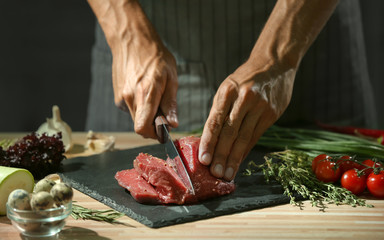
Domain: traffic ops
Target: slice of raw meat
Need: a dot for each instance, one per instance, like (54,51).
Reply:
(206,185)
(160,175)
(139,188)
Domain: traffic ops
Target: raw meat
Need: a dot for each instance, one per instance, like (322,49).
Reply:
(206,186)
(140,189)
(155,181)
(162,177)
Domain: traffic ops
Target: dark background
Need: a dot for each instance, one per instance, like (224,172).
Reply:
(45,52)
(45,49)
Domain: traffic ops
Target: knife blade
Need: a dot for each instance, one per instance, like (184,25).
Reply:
(161,127)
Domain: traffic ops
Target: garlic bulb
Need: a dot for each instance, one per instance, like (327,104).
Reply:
(55,125)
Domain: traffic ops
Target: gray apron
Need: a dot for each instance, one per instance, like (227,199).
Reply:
(211,38)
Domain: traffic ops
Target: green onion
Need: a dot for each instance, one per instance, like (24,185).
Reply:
(315,141)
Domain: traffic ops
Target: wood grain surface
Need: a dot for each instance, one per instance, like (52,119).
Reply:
(279,222)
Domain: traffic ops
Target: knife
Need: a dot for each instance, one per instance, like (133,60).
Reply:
(161,127)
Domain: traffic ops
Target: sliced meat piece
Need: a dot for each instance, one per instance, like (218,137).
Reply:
(155,180)
(206,186)
(139,188)
(160,175)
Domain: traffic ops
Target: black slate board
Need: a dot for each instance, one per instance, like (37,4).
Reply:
(94,176)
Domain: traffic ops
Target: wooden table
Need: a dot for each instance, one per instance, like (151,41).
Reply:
(280,222)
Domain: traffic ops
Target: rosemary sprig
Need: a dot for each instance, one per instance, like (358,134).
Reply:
(292,169)
(110,216)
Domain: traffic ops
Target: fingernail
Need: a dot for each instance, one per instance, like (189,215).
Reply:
(229,173)
(174,118)
(218,170)
(205,159)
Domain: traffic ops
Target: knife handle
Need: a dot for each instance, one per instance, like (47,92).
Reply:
(160,120)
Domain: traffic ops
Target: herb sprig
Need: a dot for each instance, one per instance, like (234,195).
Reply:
(110,216)
(292,169)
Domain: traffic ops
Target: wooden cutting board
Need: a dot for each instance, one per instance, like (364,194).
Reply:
(94,176)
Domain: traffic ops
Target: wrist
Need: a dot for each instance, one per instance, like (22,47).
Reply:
(268,57)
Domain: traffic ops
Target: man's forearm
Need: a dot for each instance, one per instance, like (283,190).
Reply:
(123,21)
(290,30)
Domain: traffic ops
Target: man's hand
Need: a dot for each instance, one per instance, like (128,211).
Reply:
(246,104)
(251,99)
(144,71)
(144,79)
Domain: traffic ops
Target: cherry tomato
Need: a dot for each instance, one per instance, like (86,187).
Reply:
(351,181)
(375,184)
(316,160)
(327,171)
(371,164)
(346,163)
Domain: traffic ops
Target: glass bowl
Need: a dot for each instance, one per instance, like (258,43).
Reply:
(39,223)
